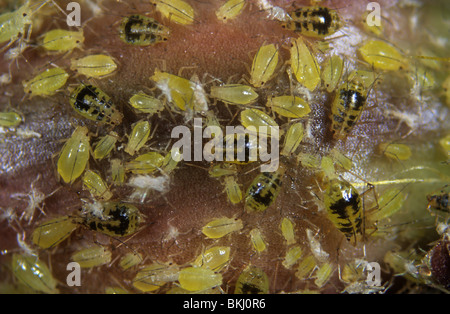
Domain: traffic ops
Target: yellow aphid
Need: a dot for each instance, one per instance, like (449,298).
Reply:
(93,256)
(374,28)
(214,258)
(171,160)
(154,276)
(367,78)
(61,40)
(74,156)
(94,65)
(141,30)
(117,172)
(287,229)
(292,256)
(10,119)
(446,88)
(289,106)
(13,23)
(145,163)
(342,160)
(234,94)
(52,232)
(382,56)
(304,64)
(257,118)
(139,135)
(424,77)
(390,202)
(395,151)
(230,10)
(308,160)
(46,83)
(332,72)
(221,170)
(306,267)
(176,89)
(445,145)
(33,273)
(257,240)
(252,280)
(264,65)
(323,274)
(145,103)
(198,278)
(96,186)
(105,145)
(130,259)
(176,11)
(233,190)
(220,227)
(327,166)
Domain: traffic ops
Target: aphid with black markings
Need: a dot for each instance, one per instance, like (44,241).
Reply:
(252,280)
(439,202)
(94,104)
(315,21)
(142,31)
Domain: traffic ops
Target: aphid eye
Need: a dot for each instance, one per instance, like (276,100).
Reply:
(24,14)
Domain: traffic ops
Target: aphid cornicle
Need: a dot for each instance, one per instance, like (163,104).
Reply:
(264,190)
(142,31)
(314,21)
(347,107)
(92,103)
(343,205)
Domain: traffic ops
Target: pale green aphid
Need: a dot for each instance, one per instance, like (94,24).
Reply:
(234,94)
(105,145)
(139,135)
(93,256)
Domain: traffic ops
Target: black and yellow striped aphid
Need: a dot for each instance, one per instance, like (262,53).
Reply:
(264,189)
(347,106)
(439,202)
(92,103)
(142,31)
(315,21)
(343,205)
(115,219)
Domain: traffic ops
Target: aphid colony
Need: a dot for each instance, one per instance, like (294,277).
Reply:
(191,98)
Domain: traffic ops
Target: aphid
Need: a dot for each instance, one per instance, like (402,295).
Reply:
(342,160)
(221,170)
(304,64)
(139,135)
(238,148)
(92,103)
(176,11)
(94,65)
(264,190)
(289,106)
(314,21)
(220,227)
(395,151)
(178,90)
(445,145)
(382,56)
(96,186)
(74,156)
(143,184)
(323,274)
(145,163)
(198,278)
(446,88)
(54,231)
(256,118)
(327,166)
(214,258)
(347,107)
(257,240)
(332,72)
(33,273)
(264,65)
(145,103)
(374,28)
(308,160)
(253,280)
(142,31)
(94,256)
(230,10)
(46,83)
(233,190)
(306,267)
(234,94)
(105,145)
(61,40)
(343,205)
(116,219)
(287,229)
(10,119)
(154,276)
(117,172)
(390,202)
(171,160)
(439,202)
(130,259)
(292,256)
(367,78)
